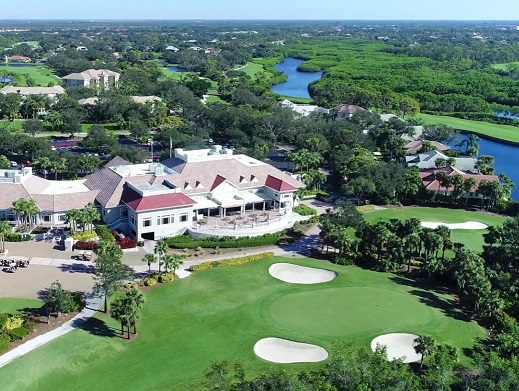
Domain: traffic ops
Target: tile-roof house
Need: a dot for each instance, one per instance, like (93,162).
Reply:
(17,59)
(93,78)
(431,184)
(415,146)
(347,111)
(50,92)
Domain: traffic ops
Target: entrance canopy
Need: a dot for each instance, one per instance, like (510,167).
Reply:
(204,203)
(251,198)
(228,200)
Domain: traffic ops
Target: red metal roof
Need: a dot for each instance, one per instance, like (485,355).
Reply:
(139,203)
(217,182)
(278,184)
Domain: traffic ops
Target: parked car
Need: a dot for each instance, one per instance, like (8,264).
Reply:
(13,163)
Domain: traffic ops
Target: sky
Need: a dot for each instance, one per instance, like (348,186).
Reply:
(262,9)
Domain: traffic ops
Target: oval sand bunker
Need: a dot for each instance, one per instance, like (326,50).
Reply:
(283,351)
(296,274)
(399,345)
(465,225)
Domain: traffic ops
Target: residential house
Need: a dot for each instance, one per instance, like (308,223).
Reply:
(172,49)
(415,146)
(93,101)
(304,110)
(17,59)
(50,92)
(427,160)
(93,78)
(347,111)
(433,185)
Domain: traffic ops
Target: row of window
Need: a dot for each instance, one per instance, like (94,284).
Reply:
(164,220)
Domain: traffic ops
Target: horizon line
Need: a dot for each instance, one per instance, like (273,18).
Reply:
(255,20)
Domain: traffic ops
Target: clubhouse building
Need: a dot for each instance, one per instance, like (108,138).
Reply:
(156,200)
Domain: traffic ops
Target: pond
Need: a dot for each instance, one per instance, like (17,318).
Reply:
(12,65)
(297,84)
(177,69)
(506,156)
(6,79)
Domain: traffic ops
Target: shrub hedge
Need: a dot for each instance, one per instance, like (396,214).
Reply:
(16,237)
(232,261)
(5,341)
(81,245)
(167,277)
(186,242)
(305,210)
(126,243)
(83,235)
(104,233)
(18,333)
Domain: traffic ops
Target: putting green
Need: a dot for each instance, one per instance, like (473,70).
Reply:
(349,311)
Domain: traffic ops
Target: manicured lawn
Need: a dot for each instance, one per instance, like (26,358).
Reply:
(473,239)
(504,66)
(220,314)
(175,75)
(39,73)
(15,305)
(502,132)
(251,68)
(12,125)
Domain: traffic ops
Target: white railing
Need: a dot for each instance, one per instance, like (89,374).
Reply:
(237,227)
(118,222)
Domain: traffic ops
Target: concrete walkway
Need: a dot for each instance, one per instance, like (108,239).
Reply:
(92,306)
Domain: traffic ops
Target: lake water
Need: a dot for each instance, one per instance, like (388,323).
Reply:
(177,69)
(16,65)
(506,159)
(6,79)
(297,83)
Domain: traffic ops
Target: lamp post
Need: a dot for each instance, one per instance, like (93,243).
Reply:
(150,142)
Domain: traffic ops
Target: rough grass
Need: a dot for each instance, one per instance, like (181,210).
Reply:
(220,314)
(473,239)
(501,132)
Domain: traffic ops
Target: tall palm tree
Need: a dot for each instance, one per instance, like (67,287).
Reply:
(5,229)
(149,258)
(424,345)
(161,248)
(71,217)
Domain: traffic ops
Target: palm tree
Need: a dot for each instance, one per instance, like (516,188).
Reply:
(71,217)
(161,248)
(173,261)
(118,312)
(468,186)
(5,229)
(91,214)
(44,163)
(424,345)
(445,233)
(149,259)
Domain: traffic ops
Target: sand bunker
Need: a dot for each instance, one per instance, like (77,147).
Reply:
(465,225)
(296,274)
(398,345)
(283,351)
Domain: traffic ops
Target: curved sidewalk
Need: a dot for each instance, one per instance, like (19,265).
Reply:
(92,306)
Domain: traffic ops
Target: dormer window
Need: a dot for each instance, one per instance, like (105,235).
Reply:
(243,180)
(187,186)
(199,185)
(253,178)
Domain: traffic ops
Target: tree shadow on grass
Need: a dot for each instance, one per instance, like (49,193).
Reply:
(99,328)
(428,294)
(448,306)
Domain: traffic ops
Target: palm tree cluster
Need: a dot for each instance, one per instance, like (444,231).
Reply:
(127,310)
(85,216)
(160,255)
(25,211)
(307,164)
